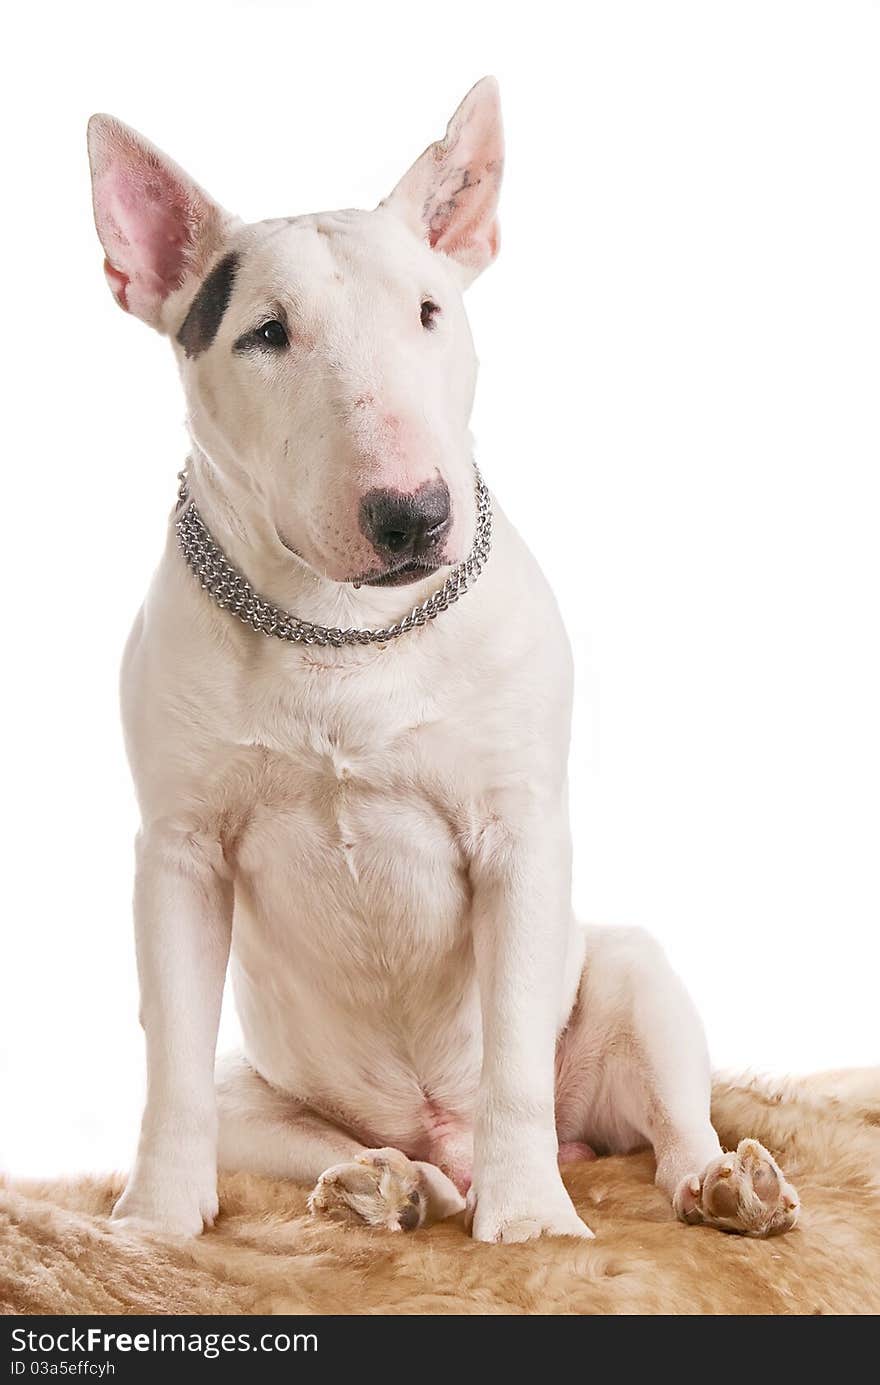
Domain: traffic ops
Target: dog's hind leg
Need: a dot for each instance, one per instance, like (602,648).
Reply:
(633,1068)
(262,1130)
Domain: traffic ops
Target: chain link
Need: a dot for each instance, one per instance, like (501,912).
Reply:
(233,592)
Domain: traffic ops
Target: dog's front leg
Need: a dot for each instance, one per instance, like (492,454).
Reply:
(522,929)
(183,916)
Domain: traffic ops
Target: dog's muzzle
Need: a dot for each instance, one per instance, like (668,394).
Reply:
(231,590)
(407,530)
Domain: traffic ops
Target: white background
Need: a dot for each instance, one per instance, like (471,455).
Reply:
(678,406)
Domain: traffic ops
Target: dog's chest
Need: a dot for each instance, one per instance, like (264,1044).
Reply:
(346,831)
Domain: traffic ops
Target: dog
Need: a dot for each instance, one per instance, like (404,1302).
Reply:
(346,704)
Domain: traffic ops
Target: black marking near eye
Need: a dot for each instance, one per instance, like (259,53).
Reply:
(202,322)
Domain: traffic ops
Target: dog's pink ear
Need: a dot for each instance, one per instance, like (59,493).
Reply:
(450,195)
(156,225)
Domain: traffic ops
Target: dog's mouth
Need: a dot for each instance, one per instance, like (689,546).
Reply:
(402,576)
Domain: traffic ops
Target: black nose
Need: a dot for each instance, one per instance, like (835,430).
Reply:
(406,526)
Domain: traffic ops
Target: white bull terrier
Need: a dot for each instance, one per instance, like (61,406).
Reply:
(369,811)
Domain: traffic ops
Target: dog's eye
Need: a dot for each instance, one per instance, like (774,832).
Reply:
(272,334)
(430,311)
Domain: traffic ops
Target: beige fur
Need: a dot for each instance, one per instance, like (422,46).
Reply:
(58,1253)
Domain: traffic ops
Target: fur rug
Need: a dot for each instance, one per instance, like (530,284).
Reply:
(59,1255)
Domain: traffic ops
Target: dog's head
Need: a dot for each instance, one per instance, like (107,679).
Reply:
(327,362)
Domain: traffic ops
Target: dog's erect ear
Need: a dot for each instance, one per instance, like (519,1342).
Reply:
(158,228)
(450,195)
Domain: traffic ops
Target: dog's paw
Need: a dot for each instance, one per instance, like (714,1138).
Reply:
(745,1192)
(381,1187)
(509,1219)
(173,1205)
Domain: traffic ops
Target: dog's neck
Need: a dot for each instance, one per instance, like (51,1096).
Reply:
(239,523)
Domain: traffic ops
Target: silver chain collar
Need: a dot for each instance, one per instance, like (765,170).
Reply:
(233,592)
